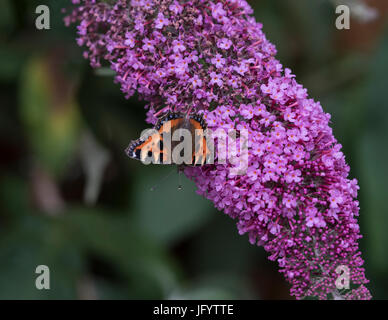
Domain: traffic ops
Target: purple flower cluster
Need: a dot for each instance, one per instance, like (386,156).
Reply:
(212,57)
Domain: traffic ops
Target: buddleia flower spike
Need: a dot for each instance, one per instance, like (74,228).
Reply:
(296,199)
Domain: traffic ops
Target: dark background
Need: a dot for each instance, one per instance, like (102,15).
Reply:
(70,198)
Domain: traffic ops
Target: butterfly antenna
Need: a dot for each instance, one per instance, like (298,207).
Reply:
(161,180)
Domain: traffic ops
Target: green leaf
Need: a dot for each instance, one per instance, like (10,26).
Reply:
(220,248)
(167,214)
(144,265)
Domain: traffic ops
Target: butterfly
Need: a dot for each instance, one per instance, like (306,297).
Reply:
(176,138)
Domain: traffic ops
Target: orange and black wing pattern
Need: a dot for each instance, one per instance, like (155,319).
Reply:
(149,148)
(201,148)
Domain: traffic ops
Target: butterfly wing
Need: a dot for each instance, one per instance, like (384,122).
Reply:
(201,148)
(146,148)
(149,148)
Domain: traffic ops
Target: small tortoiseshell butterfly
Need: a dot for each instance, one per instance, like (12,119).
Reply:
(157,145)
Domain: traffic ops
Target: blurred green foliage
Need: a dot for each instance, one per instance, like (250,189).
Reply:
(49,114)
(166,243)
